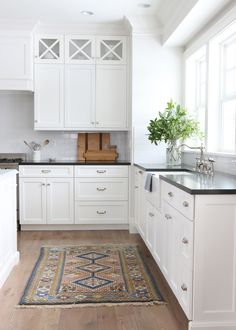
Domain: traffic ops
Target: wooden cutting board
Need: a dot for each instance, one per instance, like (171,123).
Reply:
(95,146)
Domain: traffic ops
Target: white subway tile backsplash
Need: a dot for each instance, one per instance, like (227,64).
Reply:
(16,125)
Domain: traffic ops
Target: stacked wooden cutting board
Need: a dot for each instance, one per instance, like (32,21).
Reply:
(96,146)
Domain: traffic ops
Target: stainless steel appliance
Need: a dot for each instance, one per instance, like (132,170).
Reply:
(12,161)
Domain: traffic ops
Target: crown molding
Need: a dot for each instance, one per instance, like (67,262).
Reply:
(144,25)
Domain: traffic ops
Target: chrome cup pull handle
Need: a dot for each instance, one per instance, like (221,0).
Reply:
(170,194)
(45,171)
(101,188)
(101,171)
(101,212)
(185,204)
(168,217)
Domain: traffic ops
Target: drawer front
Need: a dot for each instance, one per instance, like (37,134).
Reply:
(179,199)
(101,213)
(101,189)
(46,171)
(185,288)
(101,171)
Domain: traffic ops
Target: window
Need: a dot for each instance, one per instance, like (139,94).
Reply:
(195,90)
(210,92)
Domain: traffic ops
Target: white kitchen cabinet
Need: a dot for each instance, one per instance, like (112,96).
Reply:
(16,62)
(9,256)
(49,48)
(48,199)
(111,50)
(60,205)
(33,201)
(101,212)
(111,100)
(79,96)
(101,195)
(49,96)
(79,49)
(150,219)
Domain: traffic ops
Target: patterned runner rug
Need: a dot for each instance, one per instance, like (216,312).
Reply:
(94,274)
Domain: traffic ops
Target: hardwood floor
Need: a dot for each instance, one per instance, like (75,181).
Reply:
(166,317)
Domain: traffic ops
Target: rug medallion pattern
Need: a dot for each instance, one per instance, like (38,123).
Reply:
(105,274)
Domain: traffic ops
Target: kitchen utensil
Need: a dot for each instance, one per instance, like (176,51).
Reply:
(28,145)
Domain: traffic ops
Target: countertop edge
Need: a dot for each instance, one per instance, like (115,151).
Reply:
(199,191)
(74,163)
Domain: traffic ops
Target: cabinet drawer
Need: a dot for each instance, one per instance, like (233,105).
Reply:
(101,212)
(46,171)
(101,189)
(101,171)
(179,199)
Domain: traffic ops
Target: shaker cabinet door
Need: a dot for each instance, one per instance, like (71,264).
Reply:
(49,96)
(79,96)
(111,100)
(32,201)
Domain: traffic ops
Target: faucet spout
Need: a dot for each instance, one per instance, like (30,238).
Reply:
(201,148)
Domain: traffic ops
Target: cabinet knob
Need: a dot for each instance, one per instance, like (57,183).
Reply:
(101,212)
(35,121)
(185,204)
(185,240)
(170,194)
(45,171)
(140,172)
(97,122)
(48,184)
(43,184)
(151,214)
(101,171)
(101,188)
(136,187)
(184,287)
(168,217)
(92,122)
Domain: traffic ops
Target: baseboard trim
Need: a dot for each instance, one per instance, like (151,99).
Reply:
(132,229)
(6,269)
(212,326)
(73,227)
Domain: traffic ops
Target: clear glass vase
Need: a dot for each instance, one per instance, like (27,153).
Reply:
(173,154)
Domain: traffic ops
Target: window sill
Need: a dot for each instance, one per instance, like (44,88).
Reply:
(208,153)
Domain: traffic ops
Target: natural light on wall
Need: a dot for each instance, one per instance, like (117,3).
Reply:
(210,90)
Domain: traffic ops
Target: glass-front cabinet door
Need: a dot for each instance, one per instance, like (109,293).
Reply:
(49,49)
(111,50)
(79,49)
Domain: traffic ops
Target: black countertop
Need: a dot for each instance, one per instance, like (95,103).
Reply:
(192,182)
(74,162)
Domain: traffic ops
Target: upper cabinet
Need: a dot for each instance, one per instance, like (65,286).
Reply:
(16,62)
(85,85)
(49,49)
(79,49)
(95,50)
(111,50)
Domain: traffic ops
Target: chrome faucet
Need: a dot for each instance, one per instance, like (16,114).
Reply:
(202,165)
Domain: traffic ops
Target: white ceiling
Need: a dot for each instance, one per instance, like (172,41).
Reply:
(68,11)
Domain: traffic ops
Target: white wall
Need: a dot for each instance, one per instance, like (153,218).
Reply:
(156,72)
(16,125)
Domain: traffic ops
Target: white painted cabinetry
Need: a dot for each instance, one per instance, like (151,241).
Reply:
(46,198)
(111,99)
(49,96)
(101,195)
(87,90)
(16,62)
(79,96)
(49,48)
(9,256)
(194,245)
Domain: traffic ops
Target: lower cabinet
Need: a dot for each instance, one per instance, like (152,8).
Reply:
(46,201)
(101,195)
(61,194)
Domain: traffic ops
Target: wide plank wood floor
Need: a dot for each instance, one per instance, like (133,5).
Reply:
(164,317)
